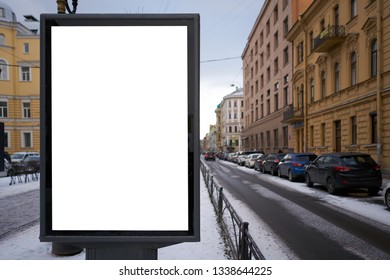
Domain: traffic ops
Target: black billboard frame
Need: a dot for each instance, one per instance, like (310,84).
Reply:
(117,238)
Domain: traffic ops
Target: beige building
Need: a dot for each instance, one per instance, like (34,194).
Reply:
(19,81)
(231,119)
(341,78)
(218,128)
(267,77)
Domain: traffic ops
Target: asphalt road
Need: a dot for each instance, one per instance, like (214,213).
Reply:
(311,228)
(18,212)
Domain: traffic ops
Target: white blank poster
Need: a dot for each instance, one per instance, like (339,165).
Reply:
(119,128)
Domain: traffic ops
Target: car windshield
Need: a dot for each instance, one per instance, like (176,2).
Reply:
(306,158)
(356,160)
(17,156)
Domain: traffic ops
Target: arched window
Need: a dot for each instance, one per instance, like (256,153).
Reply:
(337,77)
(374,58)
(2,40)
(3,70)
(353,68)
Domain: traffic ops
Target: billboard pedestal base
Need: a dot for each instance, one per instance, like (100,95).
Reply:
(127,253)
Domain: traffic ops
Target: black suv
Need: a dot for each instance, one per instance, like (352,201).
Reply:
(343,171)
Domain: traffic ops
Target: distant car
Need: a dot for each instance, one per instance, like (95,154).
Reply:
(242,157)
(251,159)
(270,164)
(259,162)
(209,156)
(293,166)
(20,156)
(386,196)
(343,171)
(32,164)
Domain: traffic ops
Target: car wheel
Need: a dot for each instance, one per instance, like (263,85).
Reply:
(331,186)
(373,191)
(290,176)
(387,198)
(309,183)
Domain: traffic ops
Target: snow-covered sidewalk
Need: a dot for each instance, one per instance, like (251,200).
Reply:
(26,245)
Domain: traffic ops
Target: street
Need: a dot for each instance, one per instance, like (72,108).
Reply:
(18,212)
(306,220)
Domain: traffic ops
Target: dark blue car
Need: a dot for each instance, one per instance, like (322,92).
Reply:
(293,166)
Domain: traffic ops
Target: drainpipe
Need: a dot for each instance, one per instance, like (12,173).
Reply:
(305,136)
(379,27)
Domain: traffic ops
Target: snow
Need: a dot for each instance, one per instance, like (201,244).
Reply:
(26,245)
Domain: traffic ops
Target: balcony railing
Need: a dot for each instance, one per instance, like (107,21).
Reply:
(332,36)
(293,114)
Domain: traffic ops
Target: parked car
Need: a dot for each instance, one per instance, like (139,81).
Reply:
(251,159)
(20,156)
(242,157)
(270,164)
(259,162)
(343,171)
(386,196)
(209,156)
(293,166)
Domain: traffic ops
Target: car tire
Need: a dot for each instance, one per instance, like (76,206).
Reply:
(373,191)
(290,176)
(309,183)
(331,186)
(387,198)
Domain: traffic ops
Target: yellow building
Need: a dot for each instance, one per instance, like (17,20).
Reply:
(341,78)
(19,81)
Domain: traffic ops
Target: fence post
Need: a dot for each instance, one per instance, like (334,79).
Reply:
(243,247)
(212,185)
(220,201)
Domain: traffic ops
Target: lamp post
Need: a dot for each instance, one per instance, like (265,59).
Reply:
(57,248)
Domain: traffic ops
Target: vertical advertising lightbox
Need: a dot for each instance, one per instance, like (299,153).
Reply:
(120,128)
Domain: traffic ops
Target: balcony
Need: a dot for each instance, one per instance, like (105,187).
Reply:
(293,115)
(332,36)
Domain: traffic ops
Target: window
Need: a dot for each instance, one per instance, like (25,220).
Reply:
(336,16)
(353,8)
(276,14)
(374,58)
(354,130)
(276,138)
(276,101)
(285,26)
(268,107)
(353,68)
(374,127)
(322,25)
(311,39)
(323,84)
(285,93)
(261,38)
(276,40)
(26,110)
(285,136)
(276,66)
(268,50)
(337,77)
(6,140)
(285,56)
(26,140)
(267,28)
(323,138)
(311,136)
(268,139)
(3,70)
(300,52)
(2,40)
(268,74)
(26,48)
(312,91)
(3,109)
(25,73)
(262,139)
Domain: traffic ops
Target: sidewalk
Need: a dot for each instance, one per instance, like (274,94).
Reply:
(26,245)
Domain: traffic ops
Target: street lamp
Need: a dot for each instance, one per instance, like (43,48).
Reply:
(63,6)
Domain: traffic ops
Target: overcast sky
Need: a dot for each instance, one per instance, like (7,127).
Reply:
(225,26)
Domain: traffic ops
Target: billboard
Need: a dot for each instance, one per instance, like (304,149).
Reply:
(119,128)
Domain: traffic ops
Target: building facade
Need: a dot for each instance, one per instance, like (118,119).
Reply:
(19,81)
(341,78)
(218,128)
(231,119)
(267,74)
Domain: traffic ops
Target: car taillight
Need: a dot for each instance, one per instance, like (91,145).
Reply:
(377,168)
(342,168)
(297,164)
(276,161)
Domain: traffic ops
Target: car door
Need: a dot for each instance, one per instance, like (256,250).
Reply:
(324,169)
(313,169)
